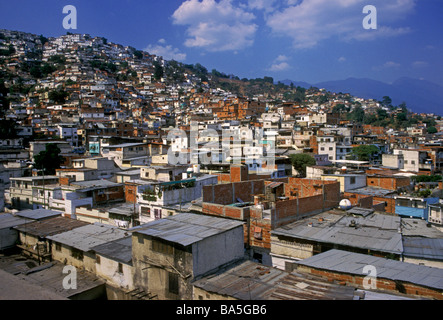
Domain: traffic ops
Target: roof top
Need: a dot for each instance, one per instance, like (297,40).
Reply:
(37,214)
(418,227)
(429,248)
(51,226)
(89,236)
(95,184)
(7,220)
(187,228)
(353,263)
(120,250)
(249,280)
(124,145)
(376,232)
(374,191)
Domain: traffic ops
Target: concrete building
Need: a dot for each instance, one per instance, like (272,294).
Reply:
(114,265)
(74,247)
(8,235)
(395,161)
(21,192)
(347,181)
(414,207)
(360,231)
(89,169)
(169,254)
(33,236)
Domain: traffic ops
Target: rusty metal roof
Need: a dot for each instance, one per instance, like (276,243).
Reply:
(50,226)
(250,280)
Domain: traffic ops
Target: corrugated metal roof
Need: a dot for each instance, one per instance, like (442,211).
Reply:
(119,250)
(249,280)
(187,228)
(418,227)
(89,236)
(428,248)
(375,232)
(51,226)
(37,214)
(7,220)
(95,184)
(354,263)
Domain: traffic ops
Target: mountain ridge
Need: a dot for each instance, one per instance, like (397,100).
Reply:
(421,96)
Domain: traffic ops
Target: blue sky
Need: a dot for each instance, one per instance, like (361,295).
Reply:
(301,40)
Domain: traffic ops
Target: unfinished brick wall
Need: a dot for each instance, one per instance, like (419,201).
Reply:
(130,193)
(389,204)
(260,233)
(230,192)
(239,213)
(359,200)
(389,183)
(298,187)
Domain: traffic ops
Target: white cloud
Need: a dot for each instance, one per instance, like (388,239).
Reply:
(341,59)
(165,51)
(266,5)
(281,58)
(280,64)
(419,64)
(216,26)
(387,65)
(308,22)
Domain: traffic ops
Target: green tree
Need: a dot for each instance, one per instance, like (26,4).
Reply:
(300,161)
(7,128)
(364,152)
(158,71)
(432,130)
(49,159)
(387,101)
(58,96)
(357,115)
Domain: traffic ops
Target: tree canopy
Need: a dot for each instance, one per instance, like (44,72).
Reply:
(49,159)
(364,152)
(300,161)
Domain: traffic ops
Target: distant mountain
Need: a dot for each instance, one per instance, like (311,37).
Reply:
(419,95)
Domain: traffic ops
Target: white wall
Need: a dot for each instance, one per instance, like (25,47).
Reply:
(212,252)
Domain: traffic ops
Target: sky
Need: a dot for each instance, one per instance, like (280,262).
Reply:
(300,40)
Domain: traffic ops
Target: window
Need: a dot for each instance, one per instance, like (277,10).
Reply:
(331,148)
(352,180)
(120,267)
(77,254)
(412,161)
(58,246)
(161,247)
(97,259)
(173,283)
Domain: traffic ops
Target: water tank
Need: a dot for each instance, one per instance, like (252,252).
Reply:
(345,204)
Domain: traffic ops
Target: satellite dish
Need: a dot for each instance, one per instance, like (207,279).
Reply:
(345,204)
